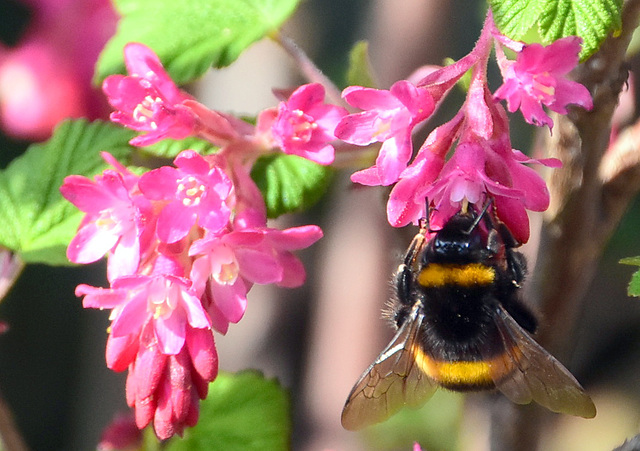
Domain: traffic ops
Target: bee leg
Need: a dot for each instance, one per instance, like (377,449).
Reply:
(517,266)
(404,284)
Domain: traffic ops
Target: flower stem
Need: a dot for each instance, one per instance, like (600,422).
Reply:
(308,68)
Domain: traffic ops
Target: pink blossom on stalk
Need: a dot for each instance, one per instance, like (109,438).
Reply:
(538,77)
(407,200)
(114,223)
(148,100)
(305,125)
(194,191)
(477,172)
(167,302)
(227,265)
(388,117)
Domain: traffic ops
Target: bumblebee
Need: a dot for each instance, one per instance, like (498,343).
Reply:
(462,326)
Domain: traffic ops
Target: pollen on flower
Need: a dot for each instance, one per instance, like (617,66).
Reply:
(382,128)
(190,191)
(106,221)
(144,110)
(228,273)
(163,299)
(545,89)
(302,126)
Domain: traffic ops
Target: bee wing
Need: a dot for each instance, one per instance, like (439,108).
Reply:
(538,376)
(391,382)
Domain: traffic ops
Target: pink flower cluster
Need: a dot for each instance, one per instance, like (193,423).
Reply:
(185,243)
(483,165)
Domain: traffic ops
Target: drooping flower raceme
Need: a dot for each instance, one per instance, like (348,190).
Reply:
(470,158)
(191,275)
(185,243)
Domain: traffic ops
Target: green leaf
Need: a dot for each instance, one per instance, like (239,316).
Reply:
(243,412)
(190,36)
(359,72)
(515,17)
(634,261)
(592,20)
(289,183)
(170,148)
(634,285)
(35,220)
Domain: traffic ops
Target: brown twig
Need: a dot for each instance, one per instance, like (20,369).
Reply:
(589,196)
(9,435)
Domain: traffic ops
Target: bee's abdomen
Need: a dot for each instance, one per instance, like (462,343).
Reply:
(465,375)
(461,347)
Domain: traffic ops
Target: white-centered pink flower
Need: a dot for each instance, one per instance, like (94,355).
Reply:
(304,124)
(166,301)
(194,192)
(227,265)
(148,100)
(114,223)
(538,77)
(388,117)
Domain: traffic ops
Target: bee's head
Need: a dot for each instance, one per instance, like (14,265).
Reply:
(461,240)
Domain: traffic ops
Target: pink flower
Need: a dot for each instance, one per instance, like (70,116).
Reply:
(407,200)
(46,77)
(36,91)
(148,100)
(304,125)
(195,192)
(538,77)
(115,220)
(388,117)
(165,301)
(476,172)
(228,265)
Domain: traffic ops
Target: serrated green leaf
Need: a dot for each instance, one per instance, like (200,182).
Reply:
(515,17)
(289,183)
(190,36)
(592,20)
(243,412)
(634,285)
(170,148)
(360,72)
(35,220)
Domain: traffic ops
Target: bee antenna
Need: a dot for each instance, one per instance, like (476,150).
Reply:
(480,216)
(423,223)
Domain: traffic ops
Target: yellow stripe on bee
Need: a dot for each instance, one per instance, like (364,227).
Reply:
(469,275)
(455,373)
